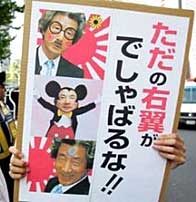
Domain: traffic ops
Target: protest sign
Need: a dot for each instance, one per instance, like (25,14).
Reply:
(105,72)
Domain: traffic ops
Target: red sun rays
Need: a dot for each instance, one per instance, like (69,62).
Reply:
(40,163)
(90,51)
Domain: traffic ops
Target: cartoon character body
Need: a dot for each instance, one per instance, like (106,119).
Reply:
(64,122)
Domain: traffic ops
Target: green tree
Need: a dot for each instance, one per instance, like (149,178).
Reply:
(8,9)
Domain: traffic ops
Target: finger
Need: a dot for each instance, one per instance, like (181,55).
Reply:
(173,140)
(166,149)
(170,142)
(172,154)
(15,152)
(15,176)
(17,173)
(17,162)
(18,170)
(178,160)
(170,136)
(170,150)
(177,157)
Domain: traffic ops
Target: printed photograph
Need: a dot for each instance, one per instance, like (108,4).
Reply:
(63,48)
(60,166)
(66,108)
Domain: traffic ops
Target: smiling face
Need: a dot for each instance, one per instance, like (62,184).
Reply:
(67,100)
(54,44)
(70,163)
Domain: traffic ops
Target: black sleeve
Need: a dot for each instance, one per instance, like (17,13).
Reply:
(85,108)
(47,105)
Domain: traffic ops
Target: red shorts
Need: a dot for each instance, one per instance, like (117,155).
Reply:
(61,132)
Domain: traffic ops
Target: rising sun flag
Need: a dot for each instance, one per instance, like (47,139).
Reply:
(90,52)
(41,162)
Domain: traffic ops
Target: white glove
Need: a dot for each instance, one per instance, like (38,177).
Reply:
(36,93)
(98,99)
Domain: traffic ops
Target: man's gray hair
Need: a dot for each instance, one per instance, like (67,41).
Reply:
(48,16)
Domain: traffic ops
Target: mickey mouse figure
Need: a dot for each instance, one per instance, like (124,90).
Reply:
(65,109)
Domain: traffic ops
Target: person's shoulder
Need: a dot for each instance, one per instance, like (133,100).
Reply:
(85,183)
(53,179)
(71,70)
(51,183)
(81,188)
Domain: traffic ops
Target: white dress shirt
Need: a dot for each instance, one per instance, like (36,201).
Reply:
(67,187)
(43,59)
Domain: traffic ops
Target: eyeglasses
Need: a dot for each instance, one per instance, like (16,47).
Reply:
(56,28)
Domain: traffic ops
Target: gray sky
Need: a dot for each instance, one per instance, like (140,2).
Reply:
(16,44)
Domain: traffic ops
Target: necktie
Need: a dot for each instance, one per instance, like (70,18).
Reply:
(57,189)
(50,66)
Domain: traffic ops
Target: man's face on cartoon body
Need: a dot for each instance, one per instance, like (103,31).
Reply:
(70,163)
(67,100)
(55,44)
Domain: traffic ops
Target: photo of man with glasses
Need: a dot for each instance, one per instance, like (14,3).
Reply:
(60,30)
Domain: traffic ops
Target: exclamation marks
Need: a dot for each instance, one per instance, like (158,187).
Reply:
(115,184)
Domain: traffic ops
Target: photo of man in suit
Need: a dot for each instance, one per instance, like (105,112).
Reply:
(60,30)
(73,159)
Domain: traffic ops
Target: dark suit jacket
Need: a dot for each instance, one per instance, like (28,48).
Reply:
(65,68)
(80,188)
